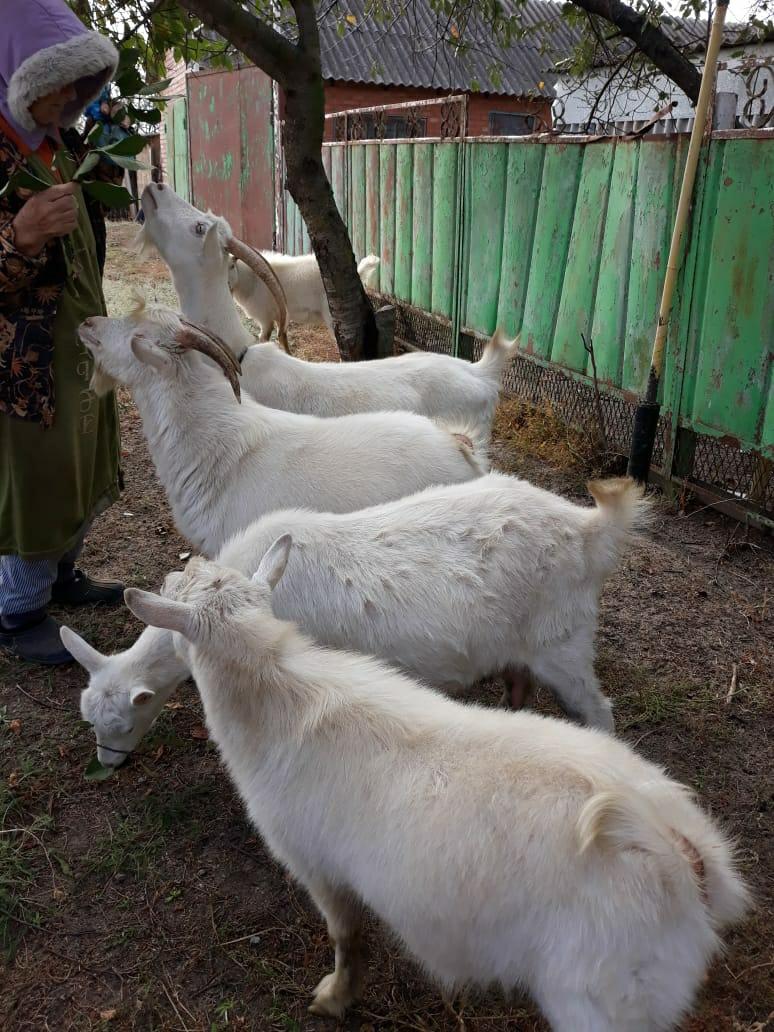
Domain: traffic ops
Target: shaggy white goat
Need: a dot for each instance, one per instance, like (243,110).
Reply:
(223,465)
(197,246)
(453,584)
(498,847)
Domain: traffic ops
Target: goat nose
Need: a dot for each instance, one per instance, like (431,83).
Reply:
(159,186)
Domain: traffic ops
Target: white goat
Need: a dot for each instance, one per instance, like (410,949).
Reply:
(301,280)
(498,847)
(223,465)
(453,584)
(198,247)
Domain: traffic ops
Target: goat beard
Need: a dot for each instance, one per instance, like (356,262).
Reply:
(101,383)
(142,243)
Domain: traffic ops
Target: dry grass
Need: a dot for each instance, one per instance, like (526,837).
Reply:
(147,903)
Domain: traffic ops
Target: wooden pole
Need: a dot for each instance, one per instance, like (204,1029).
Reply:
(646,416)
(686,190)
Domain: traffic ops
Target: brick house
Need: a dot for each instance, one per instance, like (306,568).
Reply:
(176,72)
(367,62)
(510,89)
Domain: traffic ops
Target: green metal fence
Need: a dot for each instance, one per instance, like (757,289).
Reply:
(553,239)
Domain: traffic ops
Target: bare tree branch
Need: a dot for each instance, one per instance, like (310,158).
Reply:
(277,56)
(650,40)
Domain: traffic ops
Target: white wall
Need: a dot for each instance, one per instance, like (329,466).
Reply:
(619,103)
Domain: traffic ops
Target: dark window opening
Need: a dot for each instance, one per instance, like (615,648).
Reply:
(396,127)
(506,123)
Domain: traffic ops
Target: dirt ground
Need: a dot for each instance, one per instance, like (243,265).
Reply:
(147,902)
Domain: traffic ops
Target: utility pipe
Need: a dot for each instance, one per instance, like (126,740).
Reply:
(647,412)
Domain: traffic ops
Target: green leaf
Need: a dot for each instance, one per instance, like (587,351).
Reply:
(129,83)
(96,772)
(127,58)
(23,180)
(128,147)
(149,116)
(153,87)
(86,165)
(131,163)
(109,194)
(94,134)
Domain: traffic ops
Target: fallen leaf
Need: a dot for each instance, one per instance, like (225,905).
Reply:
(15,726)
(96,772)
(158,753)
(351,19)
(128,514)
(13,779)
(455,32)
(200,733)
(184,555)
(62,752)
(173,705)
(58,893)
(108,1015)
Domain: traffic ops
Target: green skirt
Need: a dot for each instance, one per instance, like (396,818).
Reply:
(54,481)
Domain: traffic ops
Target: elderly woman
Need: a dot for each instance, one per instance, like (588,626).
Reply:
(59,444)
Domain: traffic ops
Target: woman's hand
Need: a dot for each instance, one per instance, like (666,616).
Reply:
(48,214)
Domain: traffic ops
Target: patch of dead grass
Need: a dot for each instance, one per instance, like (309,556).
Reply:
(540,433)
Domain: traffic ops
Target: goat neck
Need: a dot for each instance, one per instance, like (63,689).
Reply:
(197,433)
(209,303)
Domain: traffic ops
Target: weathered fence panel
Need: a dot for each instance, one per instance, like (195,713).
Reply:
(232,148)
(728,387)
(554,239)
(445,228)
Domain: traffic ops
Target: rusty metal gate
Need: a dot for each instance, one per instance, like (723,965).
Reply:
(558,237)
(231,138)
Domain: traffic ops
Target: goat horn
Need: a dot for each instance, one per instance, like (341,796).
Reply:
(192,337)
(217,341)
(255,260)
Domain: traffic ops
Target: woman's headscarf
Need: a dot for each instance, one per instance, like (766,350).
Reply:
(43,48)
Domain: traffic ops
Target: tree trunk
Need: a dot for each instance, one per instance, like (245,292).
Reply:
(296,67)
(351,310)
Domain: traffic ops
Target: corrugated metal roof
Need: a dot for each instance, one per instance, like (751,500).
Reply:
(414,49)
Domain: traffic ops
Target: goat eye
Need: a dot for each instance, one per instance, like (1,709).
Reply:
(201,228)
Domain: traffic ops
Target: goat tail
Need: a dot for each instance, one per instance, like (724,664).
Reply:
(367,268)
(621,512)
(693,855)
(472,442)
(497,354)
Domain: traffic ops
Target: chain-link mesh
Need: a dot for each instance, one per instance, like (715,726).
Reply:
(746,477)
(743,477)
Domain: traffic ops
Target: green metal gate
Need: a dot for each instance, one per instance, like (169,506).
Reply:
(176,131)
(554,238)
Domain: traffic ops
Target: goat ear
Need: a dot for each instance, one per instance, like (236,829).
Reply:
(157,611)
(140,696)
(81,651)
(273,564)
(144,351)
(212,244)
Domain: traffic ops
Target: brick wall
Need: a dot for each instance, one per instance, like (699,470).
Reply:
(175,70)
(342,96)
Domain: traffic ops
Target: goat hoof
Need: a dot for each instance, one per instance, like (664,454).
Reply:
(329,999)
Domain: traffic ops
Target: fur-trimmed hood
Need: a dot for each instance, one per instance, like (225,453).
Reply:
(43,47)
